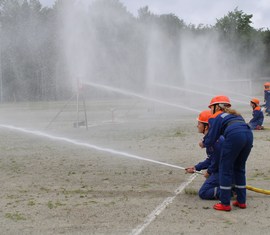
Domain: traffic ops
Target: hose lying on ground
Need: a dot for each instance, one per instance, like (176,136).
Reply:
(258,190)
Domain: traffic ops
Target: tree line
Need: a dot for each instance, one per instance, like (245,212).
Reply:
(40,56)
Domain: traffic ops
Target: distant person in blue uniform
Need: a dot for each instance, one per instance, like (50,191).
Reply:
(238,142)
(256,123)
(267,98)
(210,188)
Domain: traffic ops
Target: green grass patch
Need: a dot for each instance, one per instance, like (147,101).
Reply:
(15,216)
(191,191)
(31,203)
(52,205)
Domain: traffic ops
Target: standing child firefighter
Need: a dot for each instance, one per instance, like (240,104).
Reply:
(256,123)
(267,98)
(238,142)
(210,188)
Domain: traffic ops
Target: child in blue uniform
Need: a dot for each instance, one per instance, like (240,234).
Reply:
(256,123)
(238,141)
(210,188)
(267,98)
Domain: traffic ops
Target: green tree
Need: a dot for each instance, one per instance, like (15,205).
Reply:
(23,49)
(266,41)
(242,42)
(235,27)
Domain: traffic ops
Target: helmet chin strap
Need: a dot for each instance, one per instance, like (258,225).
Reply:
(214,110)
(204,126)
(253,105)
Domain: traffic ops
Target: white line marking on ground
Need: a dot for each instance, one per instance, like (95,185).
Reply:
(151,217)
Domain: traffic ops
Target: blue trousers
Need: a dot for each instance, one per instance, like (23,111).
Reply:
(267,105)
(232,169)
(210,188)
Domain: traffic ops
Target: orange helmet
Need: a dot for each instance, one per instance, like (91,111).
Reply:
(255,101)
(204,116)
(266,85)
(220,99)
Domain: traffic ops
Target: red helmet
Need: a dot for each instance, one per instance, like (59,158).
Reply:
(220,99)
(255,101)
(204,116)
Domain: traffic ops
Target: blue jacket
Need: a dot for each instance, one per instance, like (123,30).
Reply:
(224,124)
(267,100)
(267,96)
(211,163)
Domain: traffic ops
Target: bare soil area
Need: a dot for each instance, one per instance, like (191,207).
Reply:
(57,186)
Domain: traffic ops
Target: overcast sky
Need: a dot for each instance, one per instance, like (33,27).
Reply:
(199,11)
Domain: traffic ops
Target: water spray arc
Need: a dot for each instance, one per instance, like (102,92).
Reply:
(71,141)
(225,91)
(193,91)
(128,93)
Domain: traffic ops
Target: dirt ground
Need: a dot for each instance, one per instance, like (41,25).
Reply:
(52,185)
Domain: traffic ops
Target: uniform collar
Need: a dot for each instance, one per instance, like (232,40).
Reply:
(216,114)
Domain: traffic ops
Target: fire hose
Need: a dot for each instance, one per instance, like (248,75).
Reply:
(251,188)
(258,190)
